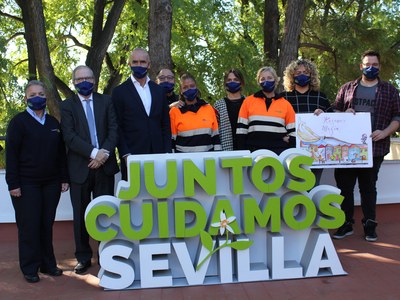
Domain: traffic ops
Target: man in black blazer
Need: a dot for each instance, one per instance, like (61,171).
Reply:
(90,131)
(142,112)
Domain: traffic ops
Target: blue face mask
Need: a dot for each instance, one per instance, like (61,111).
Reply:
(268,86)
(233,86)
(36,103)
(190,94)
(139,71)
(84,88)
(370,72)
(302,80)
(167,86)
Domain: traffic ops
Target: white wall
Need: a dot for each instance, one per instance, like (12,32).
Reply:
(387,186)
(388,191)
(64,210)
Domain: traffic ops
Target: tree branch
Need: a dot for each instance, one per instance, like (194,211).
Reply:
(14,36)
(10,16)
(75,40)
(316,46)
(63,88)
(98,17)
(20,62)
(395,45)
(327,49)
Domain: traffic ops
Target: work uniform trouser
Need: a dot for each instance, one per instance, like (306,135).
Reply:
(35,212)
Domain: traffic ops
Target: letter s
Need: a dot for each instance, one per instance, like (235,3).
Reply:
(119,271)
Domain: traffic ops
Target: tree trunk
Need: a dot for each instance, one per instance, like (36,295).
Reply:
(290,43)
(271,32)
(64,88)
(101,37)
(160,24)
(28,38)
(360,10)
(244,10)
(42,55)
(115,75)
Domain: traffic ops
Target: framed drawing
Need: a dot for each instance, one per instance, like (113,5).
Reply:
(336,140)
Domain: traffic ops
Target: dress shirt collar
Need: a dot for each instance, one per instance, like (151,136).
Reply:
(84,99)
(134,81)
(41,120)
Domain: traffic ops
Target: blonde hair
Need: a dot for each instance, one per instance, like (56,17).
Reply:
(272,71)
(289,73)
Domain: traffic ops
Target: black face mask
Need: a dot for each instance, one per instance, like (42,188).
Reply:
(371,72)
(139,71)
(84,88)
(36,103)
(302,80)
(233,87)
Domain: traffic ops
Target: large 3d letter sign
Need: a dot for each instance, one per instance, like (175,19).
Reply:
(221,217)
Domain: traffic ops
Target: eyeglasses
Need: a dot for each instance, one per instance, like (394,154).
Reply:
(80,79)
(163,78)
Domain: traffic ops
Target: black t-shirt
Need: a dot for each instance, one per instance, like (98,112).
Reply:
(233,107)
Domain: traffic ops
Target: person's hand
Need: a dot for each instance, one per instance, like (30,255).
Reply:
(318,111)
(64,187)
(351,110)
(16,192)
(286,138)
(102,156)
(94,164)
(378,135)
(177,104)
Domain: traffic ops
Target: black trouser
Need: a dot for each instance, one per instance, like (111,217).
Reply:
(318,175)
(35,212)
(367,178)
(99,184)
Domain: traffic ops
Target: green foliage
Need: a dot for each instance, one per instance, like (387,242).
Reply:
(206,240)
(208,38)
(208,44)
(345,37)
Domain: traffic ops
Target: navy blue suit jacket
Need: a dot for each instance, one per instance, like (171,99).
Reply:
(138,132)
(76,134)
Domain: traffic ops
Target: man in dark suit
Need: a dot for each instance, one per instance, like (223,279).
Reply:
(90,131)
(142,112)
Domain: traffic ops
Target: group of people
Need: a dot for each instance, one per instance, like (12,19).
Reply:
(145,117)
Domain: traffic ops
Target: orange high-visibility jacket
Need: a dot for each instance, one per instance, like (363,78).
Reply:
(194,131)
(262,128)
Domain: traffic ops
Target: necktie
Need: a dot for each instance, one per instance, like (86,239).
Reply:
(90,119)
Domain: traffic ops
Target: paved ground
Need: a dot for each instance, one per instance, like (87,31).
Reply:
(373,272)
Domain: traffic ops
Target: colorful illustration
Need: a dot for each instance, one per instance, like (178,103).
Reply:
(336,139)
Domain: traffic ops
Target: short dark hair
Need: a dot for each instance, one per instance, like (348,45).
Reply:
(186,76)
(235,72)
(166,68)
(371,53)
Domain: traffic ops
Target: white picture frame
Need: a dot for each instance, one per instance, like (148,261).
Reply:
(336,140)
